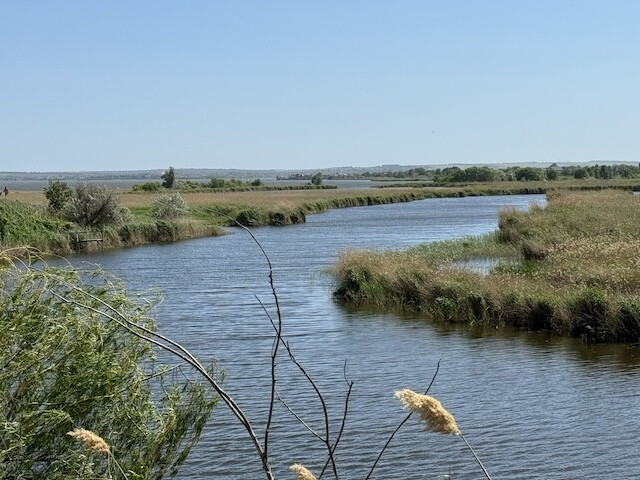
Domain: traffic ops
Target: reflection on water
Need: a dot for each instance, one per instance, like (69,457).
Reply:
(625,356)
(534,406)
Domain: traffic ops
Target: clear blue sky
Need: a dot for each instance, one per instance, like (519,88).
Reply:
(112,85)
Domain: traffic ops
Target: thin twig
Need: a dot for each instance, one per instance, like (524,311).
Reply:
(484,470)
(344,419)
(276,341)
(400,426)
(297,417)
(279,339)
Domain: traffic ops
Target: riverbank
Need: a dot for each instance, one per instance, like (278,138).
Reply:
(27,223)
(571,268)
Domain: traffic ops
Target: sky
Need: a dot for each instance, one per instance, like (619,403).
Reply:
(254,84)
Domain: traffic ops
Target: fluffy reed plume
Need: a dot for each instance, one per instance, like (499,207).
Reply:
(301,472)
(431,411)
(90,440)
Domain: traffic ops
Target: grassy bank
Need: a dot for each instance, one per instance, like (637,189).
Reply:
(572,268)
(30,225)
(26,221)
(516,187)
(210,211)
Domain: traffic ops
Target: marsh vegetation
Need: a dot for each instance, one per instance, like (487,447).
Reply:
(574,270)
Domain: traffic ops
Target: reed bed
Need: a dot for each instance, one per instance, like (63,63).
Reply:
(572,269)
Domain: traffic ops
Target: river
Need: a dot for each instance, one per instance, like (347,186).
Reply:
(532,405)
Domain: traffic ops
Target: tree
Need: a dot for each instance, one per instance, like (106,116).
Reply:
(94,206)
(216,183)
(69,361)
(551,173)
(580,173)
(169,207)
(606,172)
(58,193)
(168,178)
(316,179)
(529,174)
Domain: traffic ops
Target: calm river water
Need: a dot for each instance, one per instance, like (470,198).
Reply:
(533,406)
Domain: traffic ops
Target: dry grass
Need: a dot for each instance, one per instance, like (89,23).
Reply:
(435,417)
(33,197)
(90,440)
(287,199)
(579,274)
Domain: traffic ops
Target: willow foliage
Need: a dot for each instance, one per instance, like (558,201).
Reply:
(65,364)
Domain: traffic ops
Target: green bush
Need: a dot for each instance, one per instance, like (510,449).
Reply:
(146,187)
(93,206)
(67,363)
(169,207)
(58,194)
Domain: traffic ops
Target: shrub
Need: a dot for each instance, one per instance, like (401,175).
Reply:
(169,207)
(93,206)
(146,187)
(58,193)
(316,179)
(68,365)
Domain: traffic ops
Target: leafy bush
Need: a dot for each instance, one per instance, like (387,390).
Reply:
(58,193)
(93,206)
(169,207)
(70,361)
(26,224)
(146,187)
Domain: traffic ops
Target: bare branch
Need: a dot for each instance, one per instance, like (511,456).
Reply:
(276,341)
(297,417)
(278,329)
(344,419)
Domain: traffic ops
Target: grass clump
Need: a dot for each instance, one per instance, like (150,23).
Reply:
(577,271)
(29,225)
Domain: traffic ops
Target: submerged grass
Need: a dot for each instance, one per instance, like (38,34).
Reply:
(578,274)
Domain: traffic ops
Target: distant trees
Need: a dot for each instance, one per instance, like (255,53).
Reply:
(529,174)
(470,174)
(146,187)
(580,173)
(316,179)
(223,183)
(168,178)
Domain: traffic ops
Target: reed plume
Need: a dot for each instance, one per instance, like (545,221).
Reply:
(301,472)
(90,440)
(431,411)
(435,417)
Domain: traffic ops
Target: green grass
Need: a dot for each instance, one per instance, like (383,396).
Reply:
(29,225)
(578,272)
(24,225)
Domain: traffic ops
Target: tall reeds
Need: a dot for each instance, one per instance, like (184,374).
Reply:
(571,268)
